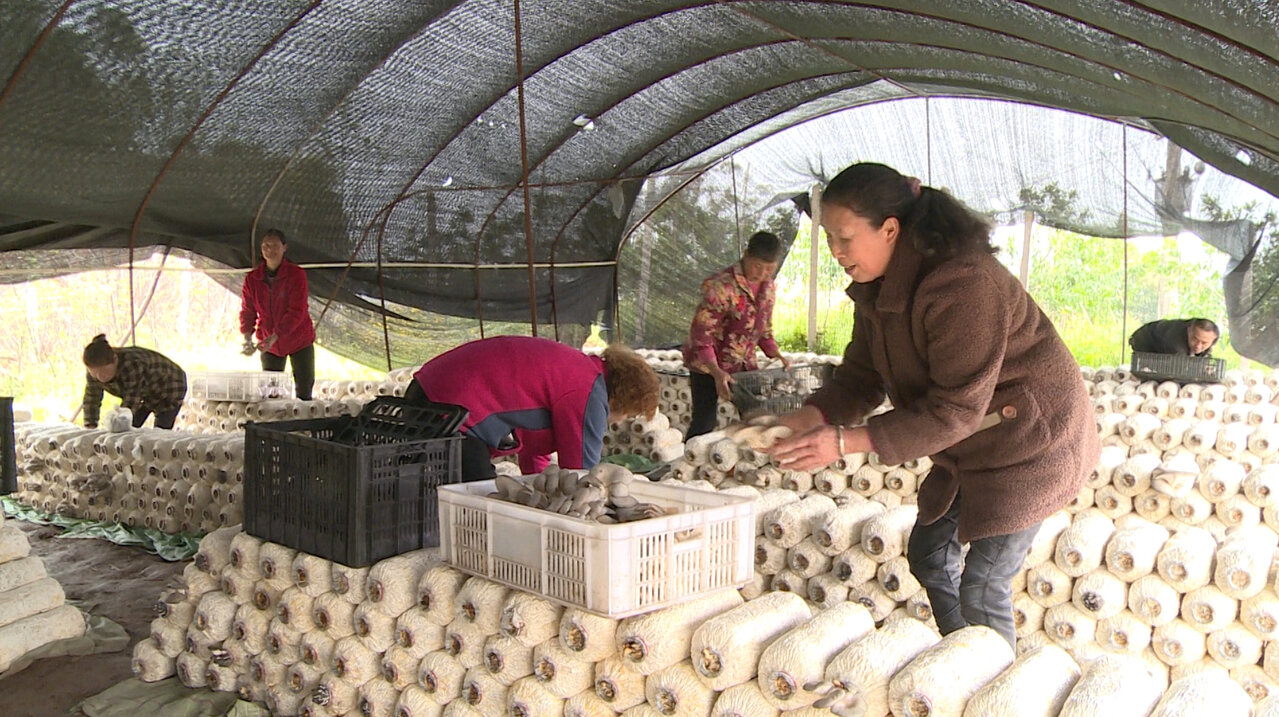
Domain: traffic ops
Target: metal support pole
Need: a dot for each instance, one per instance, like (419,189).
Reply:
(1028,219)
(1123,335)
(528,204)
(815,206)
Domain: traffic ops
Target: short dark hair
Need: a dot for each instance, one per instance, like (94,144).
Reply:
(1206,325)
(98,352)
(764,246)
(275,233)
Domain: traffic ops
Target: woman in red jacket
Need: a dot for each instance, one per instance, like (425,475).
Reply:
(274,306)
(978,378)
(533,397)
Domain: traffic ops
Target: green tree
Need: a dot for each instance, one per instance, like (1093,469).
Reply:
(691,235)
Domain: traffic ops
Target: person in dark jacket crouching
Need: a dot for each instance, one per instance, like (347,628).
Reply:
(1183,337)
(978,378)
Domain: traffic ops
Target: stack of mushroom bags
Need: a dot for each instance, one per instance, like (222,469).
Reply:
(833,535)
(411,637)
(1166,555)
(654,438)
(217,417)
(392,384)
(330,398)
(186,480)
(33,609)
(676,400)
(173,481)
(1170,546)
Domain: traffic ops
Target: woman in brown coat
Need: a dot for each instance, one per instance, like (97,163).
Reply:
(978,378)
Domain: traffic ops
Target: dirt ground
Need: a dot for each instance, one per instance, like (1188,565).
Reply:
(121,583)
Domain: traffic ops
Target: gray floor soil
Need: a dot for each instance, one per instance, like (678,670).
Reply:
(121,583)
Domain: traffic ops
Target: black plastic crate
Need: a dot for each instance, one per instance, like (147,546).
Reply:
(775,390)
(388,419)
(1182,369)
(353,504)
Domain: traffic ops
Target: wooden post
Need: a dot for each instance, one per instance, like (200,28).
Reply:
(815,206)
(1028,219)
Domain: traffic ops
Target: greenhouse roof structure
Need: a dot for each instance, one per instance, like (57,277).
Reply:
(475,158)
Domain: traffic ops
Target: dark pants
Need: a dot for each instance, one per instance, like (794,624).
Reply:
(705,404)
(982,593)
(477,462)
(163,420)
(303,362)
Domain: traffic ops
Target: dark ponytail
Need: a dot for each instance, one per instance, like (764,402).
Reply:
(938,225)
(98,352)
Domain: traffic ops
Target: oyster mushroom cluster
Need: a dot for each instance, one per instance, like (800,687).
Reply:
(602,494)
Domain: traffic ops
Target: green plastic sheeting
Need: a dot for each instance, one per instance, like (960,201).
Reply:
(167,698)
(101,634)
(180,546)
(632,462)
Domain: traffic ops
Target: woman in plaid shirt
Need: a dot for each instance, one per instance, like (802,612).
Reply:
(145,381)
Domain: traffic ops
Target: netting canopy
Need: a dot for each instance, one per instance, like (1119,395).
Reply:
(472,159)
(1095,177)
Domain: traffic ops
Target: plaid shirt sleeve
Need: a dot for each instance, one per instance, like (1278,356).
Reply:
(92,401)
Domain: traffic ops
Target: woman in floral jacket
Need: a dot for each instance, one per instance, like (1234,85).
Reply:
(735,316)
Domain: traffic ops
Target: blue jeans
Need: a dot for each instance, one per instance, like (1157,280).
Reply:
(972,591)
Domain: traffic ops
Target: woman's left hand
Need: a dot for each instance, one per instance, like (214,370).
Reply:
(814,449)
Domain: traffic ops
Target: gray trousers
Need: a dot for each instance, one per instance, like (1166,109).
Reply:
(976,590)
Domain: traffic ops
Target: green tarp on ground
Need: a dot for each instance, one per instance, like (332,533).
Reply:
(101,634)
(167,698)
(632,462)
(175,547)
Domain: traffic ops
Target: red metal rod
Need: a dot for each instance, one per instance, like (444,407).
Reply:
(528,204)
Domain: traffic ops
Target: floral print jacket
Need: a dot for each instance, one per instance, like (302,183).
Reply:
(730,322)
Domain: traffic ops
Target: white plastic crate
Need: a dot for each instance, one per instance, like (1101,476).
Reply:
(612,570)
(240,385)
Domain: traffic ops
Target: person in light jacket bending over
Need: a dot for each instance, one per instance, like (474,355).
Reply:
(978,378)
(274,308)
